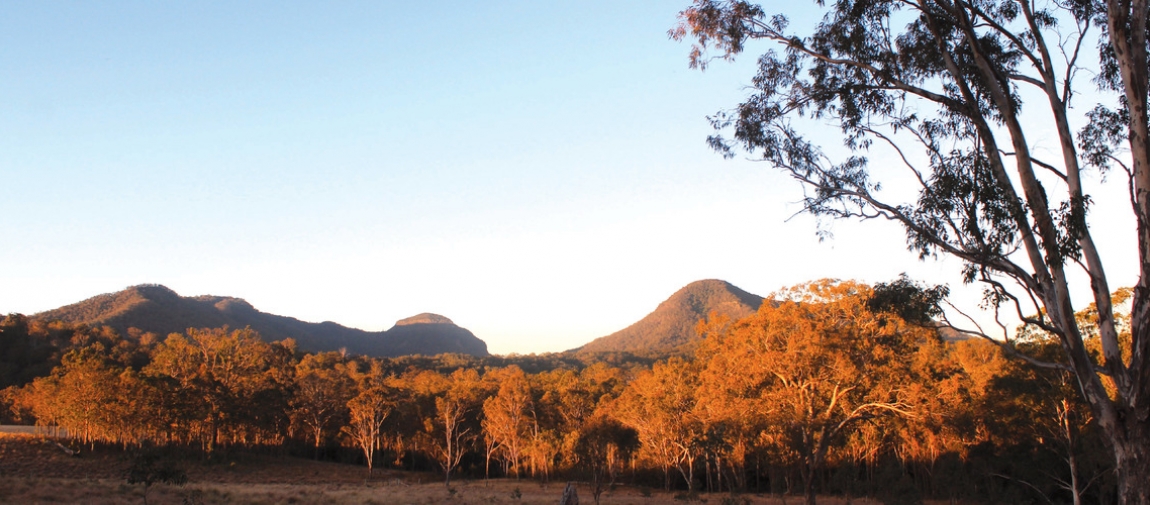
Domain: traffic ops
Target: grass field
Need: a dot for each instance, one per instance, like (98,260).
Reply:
(106,491)
(35,471)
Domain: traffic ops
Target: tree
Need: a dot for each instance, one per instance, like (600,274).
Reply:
(660,405)
(814,364)
(567,402)
(367,412)
(228,377)
(149,468)
(450,430)
(507,416)
(941,84)
(599,441)
(321,394)
(80,396)
(1040,404)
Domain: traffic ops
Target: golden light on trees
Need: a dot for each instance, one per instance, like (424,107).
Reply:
(814,363)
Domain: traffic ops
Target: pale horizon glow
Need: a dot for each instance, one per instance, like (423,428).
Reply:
(536,172)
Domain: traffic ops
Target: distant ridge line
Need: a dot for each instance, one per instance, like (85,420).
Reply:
(158,309)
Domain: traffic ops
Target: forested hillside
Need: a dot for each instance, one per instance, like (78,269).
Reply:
(157,309)
(822,391)
(670,329)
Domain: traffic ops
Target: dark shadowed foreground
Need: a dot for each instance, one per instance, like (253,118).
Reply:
(33,470)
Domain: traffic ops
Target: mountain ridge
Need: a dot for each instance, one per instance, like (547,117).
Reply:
(670,328)
(156,308)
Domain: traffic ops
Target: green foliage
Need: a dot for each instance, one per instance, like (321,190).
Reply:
(958,93)
(911,301)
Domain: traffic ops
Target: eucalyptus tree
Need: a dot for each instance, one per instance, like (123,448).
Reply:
(229,380)
(453,429)
(367,412)
(660,405)
(941,84)
(322,390)
(815,365)
(507,417)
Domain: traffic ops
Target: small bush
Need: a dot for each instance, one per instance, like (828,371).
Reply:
(148,468)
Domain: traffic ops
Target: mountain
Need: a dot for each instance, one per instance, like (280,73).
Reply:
(157,309)
(425,330)
(670,329)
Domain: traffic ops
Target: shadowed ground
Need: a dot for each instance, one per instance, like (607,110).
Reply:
(33,470)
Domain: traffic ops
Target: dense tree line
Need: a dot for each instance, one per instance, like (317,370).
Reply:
(994,121)
(825,389)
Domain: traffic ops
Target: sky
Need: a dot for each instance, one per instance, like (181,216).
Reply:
(535,171)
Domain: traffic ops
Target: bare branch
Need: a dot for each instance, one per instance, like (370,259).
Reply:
(1039,163)
(1027,79)
(905,161)
(1027,484)
(1072,62)
(1011,351)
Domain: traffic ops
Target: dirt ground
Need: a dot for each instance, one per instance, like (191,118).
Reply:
(35,471)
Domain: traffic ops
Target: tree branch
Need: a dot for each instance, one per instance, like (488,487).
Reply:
(1039,163)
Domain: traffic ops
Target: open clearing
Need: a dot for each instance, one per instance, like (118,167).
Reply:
(34,470)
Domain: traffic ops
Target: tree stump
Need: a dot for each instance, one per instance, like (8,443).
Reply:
(570,496)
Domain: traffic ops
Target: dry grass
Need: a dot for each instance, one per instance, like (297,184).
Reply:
(34,471)
(106,492)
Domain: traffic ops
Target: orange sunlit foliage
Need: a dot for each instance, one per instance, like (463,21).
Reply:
(816,391)
(814,366)
(319,404)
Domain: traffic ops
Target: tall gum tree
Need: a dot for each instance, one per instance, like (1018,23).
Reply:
(507,417)
(815,365)
(322,390)
(941,83)
(659,405)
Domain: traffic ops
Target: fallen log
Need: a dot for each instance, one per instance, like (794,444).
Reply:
(66,450)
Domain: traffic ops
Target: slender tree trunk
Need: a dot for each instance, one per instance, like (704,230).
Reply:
(707,473)
(1074,491)
(318,436)
(719,473)
(809,484)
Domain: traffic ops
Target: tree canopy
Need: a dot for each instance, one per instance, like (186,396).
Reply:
(823,390)
(959,91)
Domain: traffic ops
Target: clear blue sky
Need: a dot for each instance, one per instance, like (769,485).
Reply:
(535,171)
